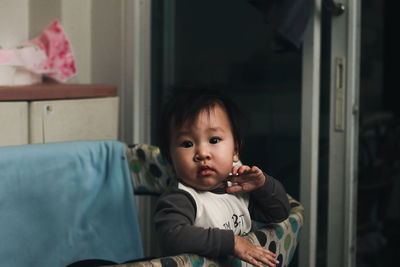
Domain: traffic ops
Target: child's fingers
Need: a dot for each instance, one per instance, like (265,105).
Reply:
(234,189)
(255,169)
(268,261)
(244,178)
(234,170)
(267,257)
(239,170)
(255,255)
(244,169)
(269,253)
(244,175)
(254,262)
(264,256)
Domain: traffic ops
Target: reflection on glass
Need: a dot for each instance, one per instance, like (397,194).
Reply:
(378,216)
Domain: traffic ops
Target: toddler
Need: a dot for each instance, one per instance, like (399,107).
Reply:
(200,213)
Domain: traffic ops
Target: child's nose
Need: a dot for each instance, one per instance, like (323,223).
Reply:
(202,153)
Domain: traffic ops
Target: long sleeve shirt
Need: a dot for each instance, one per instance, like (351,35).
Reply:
(180,209)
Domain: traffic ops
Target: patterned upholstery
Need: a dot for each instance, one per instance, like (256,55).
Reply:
(151,175)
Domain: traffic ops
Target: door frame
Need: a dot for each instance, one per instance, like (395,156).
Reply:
(343,135)
(310,109)
(136,66)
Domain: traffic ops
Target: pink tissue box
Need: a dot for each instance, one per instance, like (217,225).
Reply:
(49,54)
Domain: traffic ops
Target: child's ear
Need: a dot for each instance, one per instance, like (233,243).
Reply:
(236,154)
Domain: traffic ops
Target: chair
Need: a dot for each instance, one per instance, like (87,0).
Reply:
(151,175)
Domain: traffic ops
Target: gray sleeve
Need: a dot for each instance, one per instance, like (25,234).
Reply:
(269,204)
(174,218)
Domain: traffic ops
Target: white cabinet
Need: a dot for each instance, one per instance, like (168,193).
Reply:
(69,114)
(13,123)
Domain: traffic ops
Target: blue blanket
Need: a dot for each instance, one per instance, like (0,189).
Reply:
(65,202)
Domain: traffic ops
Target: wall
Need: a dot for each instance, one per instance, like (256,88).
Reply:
(15,13)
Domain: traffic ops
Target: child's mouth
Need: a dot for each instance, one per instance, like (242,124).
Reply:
(204,171)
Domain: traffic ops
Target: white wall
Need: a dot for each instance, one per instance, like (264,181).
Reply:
(14,21)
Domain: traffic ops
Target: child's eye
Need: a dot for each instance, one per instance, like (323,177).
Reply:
(186,144)
(215,140)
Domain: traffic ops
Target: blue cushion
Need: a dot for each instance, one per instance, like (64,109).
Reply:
(65,202)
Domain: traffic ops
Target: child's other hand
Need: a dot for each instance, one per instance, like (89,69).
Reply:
(245,179)
(252,254)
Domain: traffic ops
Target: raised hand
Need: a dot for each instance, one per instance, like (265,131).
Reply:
(252,254)
(245,179)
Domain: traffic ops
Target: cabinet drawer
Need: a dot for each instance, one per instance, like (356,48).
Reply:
(72,120)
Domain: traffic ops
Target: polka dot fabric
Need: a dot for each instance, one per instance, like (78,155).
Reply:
(150,173)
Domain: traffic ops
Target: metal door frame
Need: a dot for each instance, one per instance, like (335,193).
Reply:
(343,134)
(136,63)
(343,140)
(310,104)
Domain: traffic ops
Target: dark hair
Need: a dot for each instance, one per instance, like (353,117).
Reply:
(185,104)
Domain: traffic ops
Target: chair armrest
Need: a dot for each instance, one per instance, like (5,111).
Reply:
(281,238)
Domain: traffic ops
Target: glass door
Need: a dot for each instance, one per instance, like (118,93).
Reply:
(378,214)
(229,43)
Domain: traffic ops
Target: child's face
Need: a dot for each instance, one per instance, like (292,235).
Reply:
(202,151)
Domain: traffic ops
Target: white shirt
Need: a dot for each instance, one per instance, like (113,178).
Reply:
(223,211)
